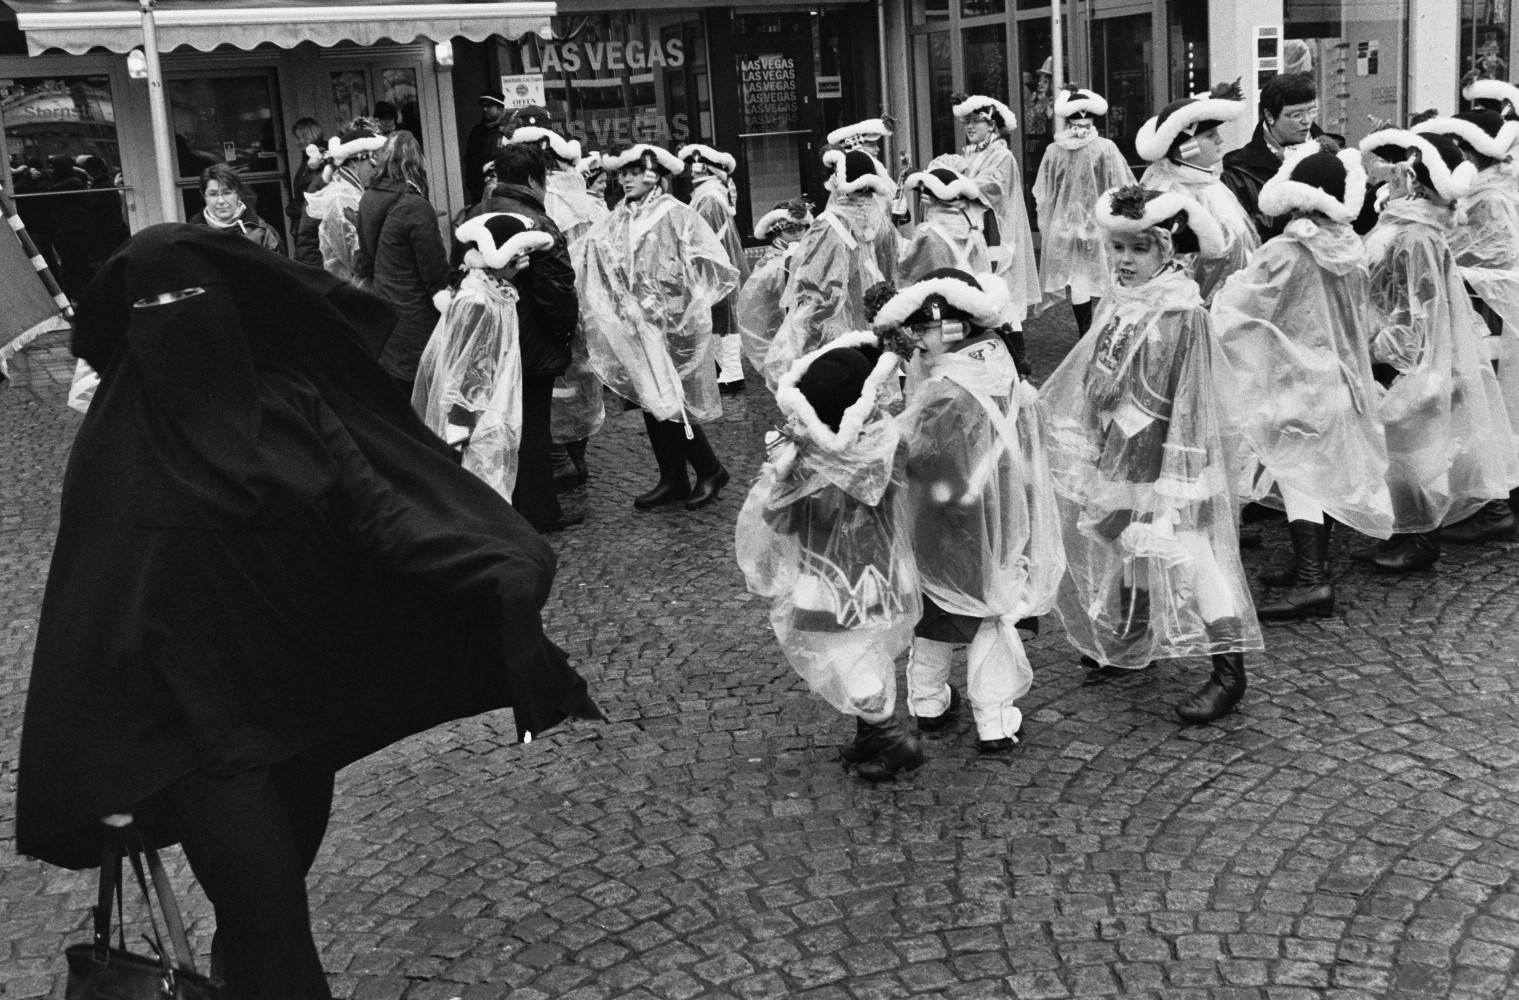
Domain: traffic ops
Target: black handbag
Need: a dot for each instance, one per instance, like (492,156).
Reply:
(98,971)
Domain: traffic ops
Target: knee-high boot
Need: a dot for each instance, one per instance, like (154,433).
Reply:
(1312,592)
(711,475)
(1285,574)
(673,486)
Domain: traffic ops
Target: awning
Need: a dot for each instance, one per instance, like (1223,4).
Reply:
(116,25)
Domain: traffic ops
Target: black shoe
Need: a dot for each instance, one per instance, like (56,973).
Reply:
(662,493)
(892,750)
(731,388)
(1410,553)
(1220,695)
(707,488)
(1001,744)
(566,476)
(1494,522)
(577,456)
(1312,589)
(568,518)
(934,723)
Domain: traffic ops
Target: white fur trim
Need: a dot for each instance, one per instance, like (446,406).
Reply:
(980,102)
(666,159)
(341,152)
(1080,102)
(591,164)
(871,127)
(1210,234)
(441,299)
(1449,184)
(985,305)
(1281,194)
(963,188)
(1155,137)
(475,231)
(313,156)
(775,217)
(712,157)
(1496,147)
(1492,90)
(792,403)
(567,150)
(880,182)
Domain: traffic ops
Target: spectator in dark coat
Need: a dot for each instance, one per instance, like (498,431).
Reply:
(401,253)
(484,139)
(308,177)
(548,309)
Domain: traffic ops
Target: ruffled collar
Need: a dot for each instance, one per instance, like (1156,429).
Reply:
(1171,287)
(1334,245)
(1420,210)
(1065,140)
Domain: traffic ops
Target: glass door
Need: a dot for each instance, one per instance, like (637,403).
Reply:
(1122,61)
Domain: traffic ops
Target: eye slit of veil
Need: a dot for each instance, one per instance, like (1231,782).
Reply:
(168,298)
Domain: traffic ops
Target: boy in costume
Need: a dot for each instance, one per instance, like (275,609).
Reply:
(759,301)
(712,195)
(948,233)
(992,165)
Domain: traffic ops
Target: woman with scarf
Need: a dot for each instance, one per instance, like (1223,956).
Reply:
(228,208)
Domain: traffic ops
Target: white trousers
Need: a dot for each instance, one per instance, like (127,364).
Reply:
(997,674)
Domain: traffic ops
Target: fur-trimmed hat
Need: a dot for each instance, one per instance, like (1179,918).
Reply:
(1190,116)
(830,393)
(791,216)
(568,150)
(1078,102)
(857,171)
(852,136)
(1437,161)
(591,166)
(1487,132)
(356,143)
(652,157)
(947,293)
(1314,180)
(500,237)
(716,158)
(1493,95)
(1136,208)
(944,184)
(532,115)
(979,106)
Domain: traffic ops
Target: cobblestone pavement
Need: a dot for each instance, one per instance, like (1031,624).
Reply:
(1350,833)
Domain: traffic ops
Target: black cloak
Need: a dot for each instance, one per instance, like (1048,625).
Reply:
(263,551)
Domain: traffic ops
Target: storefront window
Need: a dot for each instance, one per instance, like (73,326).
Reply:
(1356,51)
(60,133)
(986,61)
(1121,60)
(934,85)
(930,11)
(1035,119)
(229,119)
(1486,38)
(1188,41)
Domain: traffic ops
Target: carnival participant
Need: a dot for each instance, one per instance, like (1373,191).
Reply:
(1450,446)
(650,273)
(824,535)
(712,196)
(759,301)
(1143,459)
(1184,149)
(1492,95)
(985,527)
(870,137)
(1294,324)
(1076,169)
(348,168)
(595,174)
(994,167)
(951,213)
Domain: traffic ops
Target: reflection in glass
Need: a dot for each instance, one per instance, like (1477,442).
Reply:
(934,85)
(350,97)
(1121,54)
(1356,55)
(399,87)
(978,8)
(986,61)
(223,119)
(1034,120)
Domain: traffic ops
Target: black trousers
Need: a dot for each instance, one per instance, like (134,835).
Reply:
(250,839)
(672,449)
(535,496)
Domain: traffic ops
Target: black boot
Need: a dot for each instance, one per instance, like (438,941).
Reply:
(1494,522)
(886,749)
(577,456)
(566,476)
(1312,590)
(1285,574)
(1134,605)
(1083,313)
(1409,553)
(711,476)
(1218,697)
(673,486)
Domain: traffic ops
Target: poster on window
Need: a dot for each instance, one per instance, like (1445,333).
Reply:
(350,97)
(767,92)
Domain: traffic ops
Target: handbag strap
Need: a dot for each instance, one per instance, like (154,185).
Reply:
(178,939)
(142,883)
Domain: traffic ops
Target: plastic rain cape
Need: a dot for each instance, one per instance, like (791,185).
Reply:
(578,410)
(649,275)
(474,361)
(1142,461)
(1486,245)
(1294,327)
(1449,442)
(823,534)
(710,200)
(759,304)
(1240,235)
(995,168)
(336,209)
(985,524)
(825,297)
(948,236)
(1073,250)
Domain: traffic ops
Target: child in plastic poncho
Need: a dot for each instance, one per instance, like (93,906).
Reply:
(759,301)
(712,195)
(985,526)
(870,137)
(834,263)
(350,166)
(1185,151)
(1485,241)
(649,274)
(1076,169)
(952,211)
(1294,325)
(469,379)
(823,535)
(577,410)
(994,167)
(1450,446)
(1143,461)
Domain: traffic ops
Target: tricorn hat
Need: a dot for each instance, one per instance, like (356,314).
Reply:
(944,184)
(1190,116)
(1311,179)
(979,106)
(652,157)
(1078,102)
(1487,132)
(1437,161)
(852,136)
(948,293)
(1136,208)
(698,153)
(500,237)
(830,393)
(568,150)
(857,171)
(791,216)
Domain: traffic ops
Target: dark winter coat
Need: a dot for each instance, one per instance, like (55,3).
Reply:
(248,225)
(548,307)
(308,240)
(402,257)
(262,551)
(479,149)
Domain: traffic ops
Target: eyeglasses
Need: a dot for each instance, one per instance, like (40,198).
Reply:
(1307,117)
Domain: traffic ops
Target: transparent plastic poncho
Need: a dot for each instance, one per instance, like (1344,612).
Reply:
(710,200)
(336,209)
(823,535)
(1073,250)
(1486,244)
(759,309)
(649,275)
(1449,442)
(1294,326)
(949,235)
(1142,458)
(578,410)
(473,362)
(1241,238)
(986,528)
(825,296)
(995,168)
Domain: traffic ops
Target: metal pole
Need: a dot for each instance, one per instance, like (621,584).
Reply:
(158,104)
(1057,46)
(885,78)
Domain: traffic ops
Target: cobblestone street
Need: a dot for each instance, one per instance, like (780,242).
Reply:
(1352,832)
